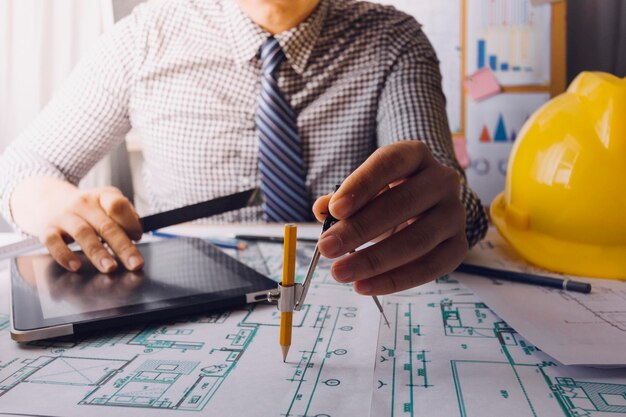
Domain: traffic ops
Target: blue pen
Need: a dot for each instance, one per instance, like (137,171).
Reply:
(221,243)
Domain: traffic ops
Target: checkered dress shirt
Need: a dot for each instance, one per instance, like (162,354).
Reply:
(186,75)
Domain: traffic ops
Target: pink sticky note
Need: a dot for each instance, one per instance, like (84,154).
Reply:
(460,149)
(482,84)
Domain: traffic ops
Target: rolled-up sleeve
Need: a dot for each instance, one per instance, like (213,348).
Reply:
(86,118)
(413,106)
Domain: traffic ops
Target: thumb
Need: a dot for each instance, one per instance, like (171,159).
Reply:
(320,207)
(121,211)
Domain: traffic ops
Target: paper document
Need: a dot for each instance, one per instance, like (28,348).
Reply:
(223,364)
(574,328)
(447,354)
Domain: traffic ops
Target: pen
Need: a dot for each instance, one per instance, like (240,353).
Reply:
(153,222)
(272,239)
(289,272)
(562,284)
(220,243)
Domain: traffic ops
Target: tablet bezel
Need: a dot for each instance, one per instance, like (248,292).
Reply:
(28,322)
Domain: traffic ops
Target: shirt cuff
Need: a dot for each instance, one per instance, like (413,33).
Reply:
(476,222)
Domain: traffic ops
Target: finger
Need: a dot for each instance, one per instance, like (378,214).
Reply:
(441,261)
(115,236)
(52,239)
(116,206)
(385,166)
(320,207)
(88,240)
(437,225)
(399,204)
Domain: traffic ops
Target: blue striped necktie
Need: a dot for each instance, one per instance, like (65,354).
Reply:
(280,150)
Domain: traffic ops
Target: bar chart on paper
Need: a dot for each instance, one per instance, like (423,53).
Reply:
(500,133)
(512,38)
(492,127)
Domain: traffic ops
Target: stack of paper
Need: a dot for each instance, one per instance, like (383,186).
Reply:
(573,328)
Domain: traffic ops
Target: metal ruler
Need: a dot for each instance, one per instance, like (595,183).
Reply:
(19,248)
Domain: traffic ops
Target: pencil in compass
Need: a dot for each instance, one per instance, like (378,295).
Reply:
(289,271)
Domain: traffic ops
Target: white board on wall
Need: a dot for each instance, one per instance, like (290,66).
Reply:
(441,22)
(491,129)
(512,37)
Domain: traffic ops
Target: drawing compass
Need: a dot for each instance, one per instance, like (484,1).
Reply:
(292,298)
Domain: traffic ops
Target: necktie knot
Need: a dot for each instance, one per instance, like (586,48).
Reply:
(272,55)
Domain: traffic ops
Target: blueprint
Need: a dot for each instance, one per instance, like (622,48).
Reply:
(447,354)
(595,324)
(222,364)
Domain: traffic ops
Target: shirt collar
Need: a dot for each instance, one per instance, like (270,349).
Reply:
(297,43)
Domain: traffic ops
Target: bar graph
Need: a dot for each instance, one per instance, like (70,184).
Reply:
(492,128)
(512,38)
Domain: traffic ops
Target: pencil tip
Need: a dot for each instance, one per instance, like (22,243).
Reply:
(285,350)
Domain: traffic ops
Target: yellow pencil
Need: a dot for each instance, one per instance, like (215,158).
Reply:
(289,271)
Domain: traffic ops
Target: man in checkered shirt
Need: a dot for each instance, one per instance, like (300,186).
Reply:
(362,80)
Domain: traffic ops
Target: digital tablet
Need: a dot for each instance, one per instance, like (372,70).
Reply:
(180,276)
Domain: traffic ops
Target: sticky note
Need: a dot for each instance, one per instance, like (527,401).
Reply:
(482,84)
(460,149)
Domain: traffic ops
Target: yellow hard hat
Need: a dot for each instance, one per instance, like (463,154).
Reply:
(564,203)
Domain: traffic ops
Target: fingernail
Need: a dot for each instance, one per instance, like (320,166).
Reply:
(107,264)
(330,245)
(74,265)
(342,271)
(342,207)
(363,287)
(133,262)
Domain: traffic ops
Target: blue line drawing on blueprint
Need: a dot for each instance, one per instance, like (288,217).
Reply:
(329,322)
(4,322)
(185,364)
(151,338)
(60,370)
(412,364)
(140,382)
(152,384)
(161,384)
(475,357)
(467,319)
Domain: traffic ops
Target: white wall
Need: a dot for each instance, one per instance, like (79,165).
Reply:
(40,42)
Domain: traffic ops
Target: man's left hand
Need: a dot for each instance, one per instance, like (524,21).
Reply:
(409,204)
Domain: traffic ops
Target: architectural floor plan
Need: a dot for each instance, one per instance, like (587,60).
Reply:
(226,363)
(445,354)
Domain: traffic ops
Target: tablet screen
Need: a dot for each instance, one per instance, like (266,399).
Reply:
(177,272)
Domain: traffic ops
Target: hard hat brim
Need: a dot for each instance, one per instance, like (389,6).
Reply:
(548,252)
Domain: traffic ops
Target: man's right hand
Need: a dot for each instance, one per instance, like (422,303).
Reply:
(88,217)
